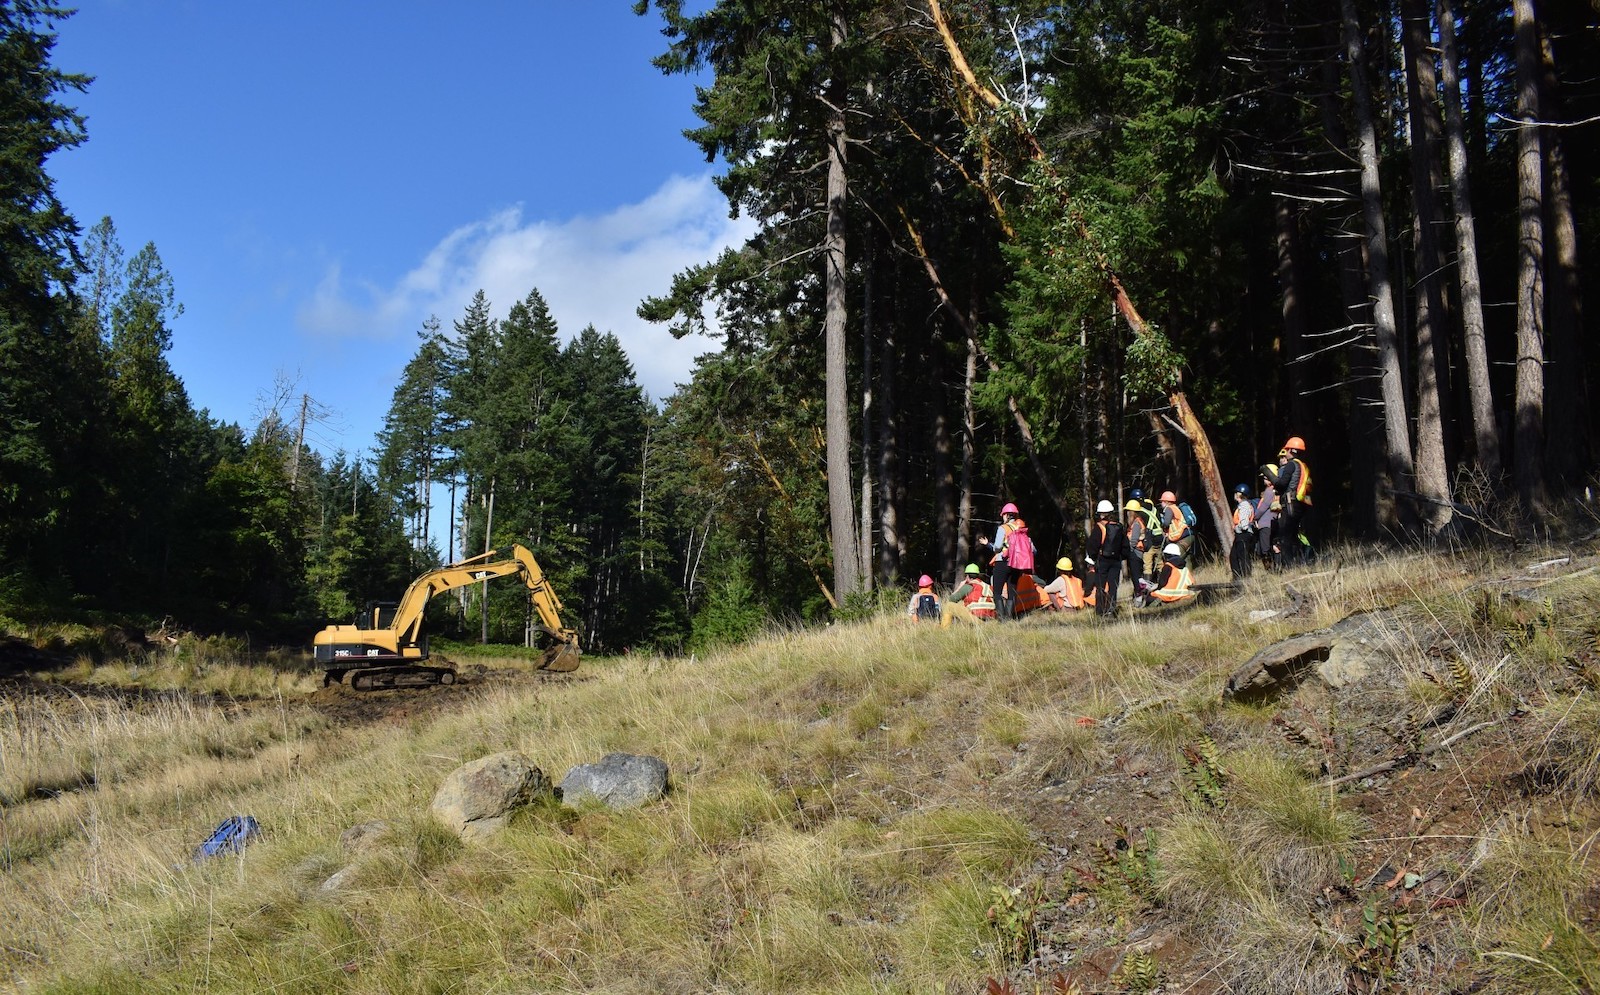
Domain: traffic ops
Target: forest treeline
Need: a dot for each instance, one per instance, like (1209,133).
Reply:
(1037,252)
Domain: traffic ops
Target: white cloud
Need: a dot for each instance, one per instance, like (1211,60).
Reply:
(592,270)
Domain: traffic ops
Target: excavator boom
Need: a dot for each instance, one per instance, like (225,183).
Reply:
(399,648)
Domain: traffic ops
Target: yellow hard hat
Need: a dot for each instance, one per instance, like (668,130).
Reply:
(1133,506)
(1065,563)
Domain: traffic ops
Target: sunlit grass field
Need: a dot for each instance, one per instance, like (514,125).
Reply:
(851,809)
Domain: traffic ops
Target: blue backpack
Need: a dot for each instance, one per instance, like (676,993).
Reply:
(927,607)
(1188,514)
(232,835)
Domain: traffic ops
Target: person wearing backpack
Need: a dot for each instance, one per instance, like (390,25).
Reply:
(1140,540)
(1177,522)
(1107,549)
(1291,478)
(1149,555)
(1013,555)
(972,601)
(924,605)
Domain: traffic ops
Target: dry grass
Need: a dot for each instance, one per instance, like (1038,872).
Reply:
(846,803)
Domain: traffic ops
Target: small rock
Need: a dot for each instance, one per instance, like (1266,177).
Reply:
(619,780)
(364,836)
(1257,617)
(337,880)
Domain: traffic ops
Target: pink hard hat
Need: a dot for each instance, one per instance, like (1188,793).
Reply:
(1010,509)
(924,581)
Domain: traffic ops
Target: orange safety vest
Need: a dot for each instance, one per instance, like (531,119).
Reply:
(1179,590)
(980,599)
(1074,592)
(1302,489)
(1179,527)
(1074,595)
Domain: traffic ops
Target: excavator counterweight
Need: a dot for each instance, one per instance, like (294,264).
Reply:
(391,650)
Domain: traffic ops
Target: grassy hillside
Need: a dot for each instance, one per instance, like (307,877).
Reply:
(876,807)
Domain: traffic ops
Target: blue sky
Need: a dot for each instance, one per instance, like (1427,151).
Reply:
(319,178)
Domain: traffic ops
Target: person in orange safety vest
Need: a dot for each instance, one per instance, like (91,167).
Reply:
(972,601)
(1066,591)
(1175,583)
(1291,478)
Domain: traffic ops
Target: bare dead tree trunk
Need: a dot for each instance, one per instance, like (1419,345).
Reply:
(867,415)
(888,463)
(1295,329)
(1397,437)
(841,513)
(944,498)
(1566,395)
(1433,473)
(969,452)
(1529,432)
(1485,433)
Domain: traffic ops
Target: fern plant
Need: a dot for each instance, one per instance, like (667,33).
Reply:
(1139,974)
(1204,776)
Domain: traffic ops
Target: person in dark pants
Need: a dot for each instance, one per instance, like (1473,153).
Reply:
(1005,588)
(1267,508)
(1242,559)
(1140,539)
(1108,548)
(1291,478)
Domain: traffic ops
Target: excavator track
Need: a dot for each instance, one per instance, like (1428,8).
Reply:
(380,678)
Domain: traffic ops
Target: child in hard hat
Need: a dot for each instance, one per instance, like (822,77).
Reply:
(1066,591)
(972,601)
(1140,538)
(924,606)
(1174,584)
(1267,508)
(1242,559)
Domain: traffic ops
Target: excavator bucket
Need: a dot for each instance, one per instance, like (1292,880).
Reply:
(561,657)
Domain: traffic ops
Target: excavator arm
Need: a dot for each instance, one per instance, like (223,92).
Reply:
(348,647)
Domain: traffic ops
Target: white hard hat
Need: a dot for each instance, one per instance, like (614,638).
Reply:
(1173,549)
(1103,508)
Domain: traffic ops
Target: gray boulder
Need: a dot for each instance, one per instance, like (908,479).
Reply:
(619,780)
(477,799)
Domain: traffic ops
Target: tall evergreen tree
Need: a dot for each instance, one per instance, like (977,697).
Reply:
(38,470)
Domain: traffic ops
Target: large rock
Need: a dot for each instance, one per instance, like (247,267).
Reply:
(619,780)
(478,798)
(1279,668)
(1339,655)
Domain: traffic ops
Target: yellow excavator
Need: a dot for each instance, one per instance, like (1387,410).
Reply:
(387,648)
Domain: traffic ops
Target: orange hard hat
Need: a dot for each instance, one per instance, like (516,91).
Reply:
(1296,443)
(1167,497)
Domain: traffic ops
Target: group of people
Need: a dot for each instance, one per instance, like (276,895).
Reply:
(1269,527)
(1151,541)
